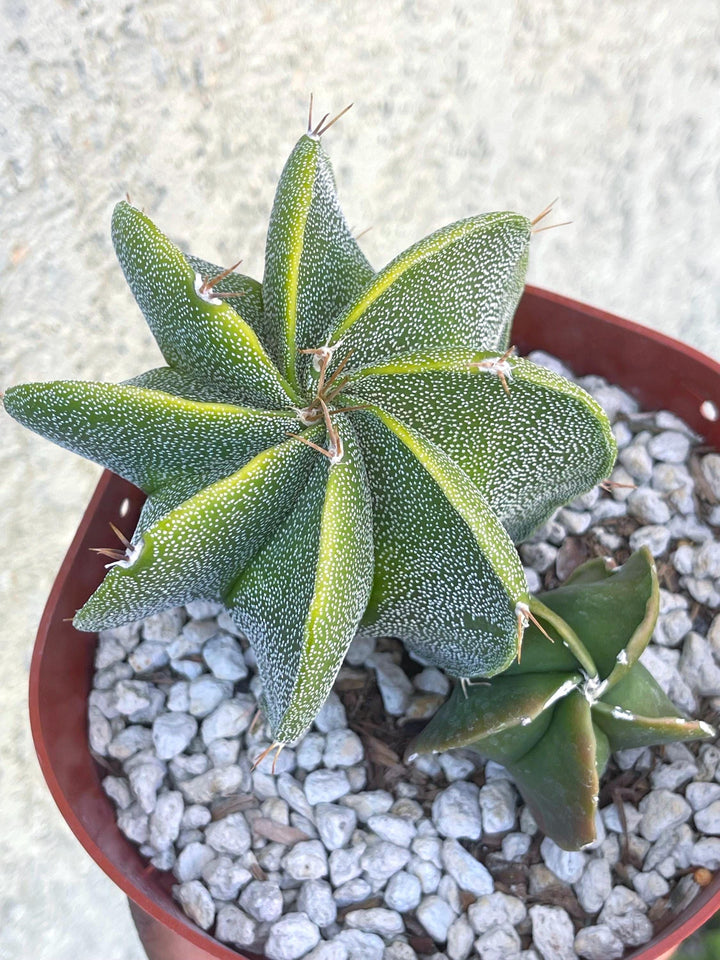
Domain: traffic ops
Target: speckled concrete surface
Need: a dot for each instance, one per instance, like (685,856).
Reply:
(192,108)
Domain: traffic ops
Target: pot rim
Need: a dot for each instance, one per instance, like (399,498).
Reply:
(588,340)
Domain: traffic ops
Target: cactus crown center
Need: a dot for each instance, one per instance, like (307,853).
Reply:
(327,390)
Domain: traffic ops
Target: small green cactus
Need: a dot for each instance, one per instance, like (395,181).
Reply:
(554,718)
(335,449)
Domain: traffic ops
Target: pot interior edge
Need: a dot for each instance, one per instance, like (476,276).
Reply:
(588,339)
(662,373)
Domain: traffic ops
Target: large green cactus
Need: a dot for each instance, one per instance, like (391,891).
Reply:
(335,448)
(554,718)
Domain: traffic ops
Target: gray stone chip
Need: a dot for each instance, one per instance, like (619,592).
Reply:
(553,932)
(291,938)
(468,873)
(196,902)
(456,811)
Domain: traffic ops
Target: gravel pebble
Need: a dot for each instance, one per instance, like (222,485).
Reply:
(192,860)
(669,446)
(459,939)
(335,824)
(332,715)
(575,522)
(224,656)
(118,789)
(353,891)
(637,461)
(701,795)
(706,853)
(234,926)
(129,742)
(496,909)
(662,809)
(553,933)
(205,693)
(499,943)
(99,731)
(134,823)
(456,811)
(498,801)
(163,626)
(650,885)
(148,656)
(230,835)
(711,471)
(697,666)
(515,846)
(345,865)
(196,902)
(325,786)
(306,861)
(343,748)
(291,937)
(397,830)
(229,719)
(218,782)
(671,776)
(328,950)
(399,950)
(624,912)
(309,751)
(707,820)
(171,733)
(403,892)
(540,556)
(361,945)
(427,873)
(145,781)
(263,900)
(383,859)
(647,506)
(654,536)
(468,873)
(436,916)
(316,900)
(672,628)
(567,865)
(395,688)
(384,922)
(598,943)
(706,563)
(432,680)
(108,651)
(225,877)
(164,824)
(594,886)
(369,803)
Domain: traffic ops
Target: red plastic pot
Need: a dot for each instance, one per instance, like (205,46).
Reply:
(660,372)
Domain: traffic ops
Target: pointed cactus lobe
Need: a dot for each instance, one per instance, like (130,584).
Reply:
(334,449)
(554,718)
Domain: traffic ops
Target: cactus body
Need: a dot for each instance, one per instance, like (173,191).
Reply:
(335,449)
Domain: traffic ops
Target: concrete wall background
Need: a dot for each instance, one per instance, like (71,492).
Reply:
(192,107)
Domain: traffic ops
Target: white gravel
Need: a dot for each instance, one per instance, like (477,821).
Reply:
(382,855)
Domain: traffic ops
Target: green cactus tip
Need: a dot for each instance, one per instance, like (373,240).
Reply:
(335,449)
(554,718)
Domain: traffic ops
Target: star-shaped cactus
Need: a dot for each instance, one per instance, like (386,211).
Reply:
(554,718)
(336,448)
